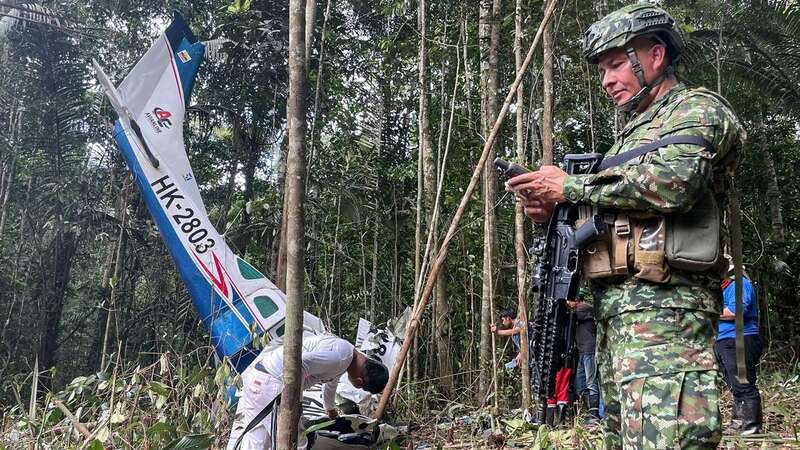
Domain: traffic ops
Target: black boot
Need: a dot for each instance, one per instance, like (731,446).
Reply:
(751,416)
(537,416)
(736,419)
(550,416)
(594,409)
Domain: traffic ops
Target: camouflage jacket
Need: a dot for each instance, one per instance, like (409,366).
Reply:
(665,181)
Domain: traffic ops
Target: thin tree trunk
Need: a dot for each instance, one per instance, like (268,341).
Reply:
(5,192)
(14,274)
(291,402)
(489,43)
(418,276)
(774,195)
(233,167)
(429,176)
(280,263)
(63,250)
(373,291)
(548,94)
(113,282)
(314,134)
(114,250)
(467,73)
(333,268)
(519,217)
(311,20)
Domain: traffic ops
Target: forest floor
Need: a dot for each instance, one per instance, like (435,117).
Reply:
(779,386)
(174,404)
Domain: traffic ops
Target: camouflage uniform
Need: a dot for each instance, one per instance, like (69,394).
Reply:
(655,341)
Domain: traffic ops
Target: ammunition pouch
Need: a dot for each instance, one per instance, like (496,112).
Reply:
(649,246)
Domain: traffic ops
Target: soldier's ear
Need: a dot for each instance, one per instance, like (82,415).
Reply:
(660,58)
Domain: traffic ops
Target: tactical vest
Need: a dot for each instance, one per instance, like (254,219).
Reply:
(649,246)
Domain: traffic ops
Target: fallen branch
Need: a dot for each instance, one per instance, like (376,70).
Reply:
(77,423)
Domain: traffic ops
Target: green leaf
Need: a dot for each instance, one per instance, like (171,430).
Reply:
(239,6)
(95,445)
(159,388)
(318,426)
(197,376)
(392,445)
(53,417)
(191,442)
(161,429)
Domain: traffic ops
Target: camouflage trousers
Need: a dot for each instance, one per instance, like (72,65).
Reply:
(659,380)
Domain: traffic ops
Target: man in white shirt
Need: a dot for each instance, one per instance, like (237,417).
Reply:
(324,359)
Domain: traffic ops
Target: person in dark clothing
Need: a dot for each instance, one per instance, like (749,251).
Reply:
(747,416)
(586,340)
(511,326)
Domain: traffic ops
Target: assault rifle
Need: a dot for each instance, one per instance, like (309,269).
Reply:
(556,279)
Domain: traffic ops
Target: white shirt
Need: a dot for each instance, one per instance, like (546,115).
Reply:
(324,359)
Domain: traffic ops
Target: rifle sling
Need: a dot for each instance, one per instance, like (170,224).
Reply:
(622,158)
(735,225)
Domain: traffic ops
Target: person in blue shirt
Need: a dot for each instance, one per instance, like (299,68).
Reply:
(747,416)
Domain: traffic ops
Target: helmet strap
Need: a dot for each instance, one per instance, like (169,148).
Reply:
(634,102)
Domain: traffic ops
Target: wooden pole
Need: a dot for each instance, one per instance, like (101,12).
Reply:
(451,231)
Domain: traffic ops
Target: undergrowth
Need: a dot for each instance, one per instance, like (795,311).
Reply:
(178,403)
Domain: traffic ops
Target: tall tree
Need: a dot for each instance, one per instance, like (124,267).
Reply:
(519,217)
(547,95)
(295,230)
(489,33)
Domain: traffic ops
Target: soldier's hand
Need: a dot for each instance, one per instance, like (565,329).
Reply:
(545,184)
(536,209)
(493,327)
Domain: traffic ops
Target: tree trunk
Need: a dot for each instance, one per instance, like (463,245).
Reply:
(280,258)
(314,134)
(774,195)
(5,192)
(311,20)
(489,42)
(295,238)
(111,310)
(373,291)
(233,168)
(548,94)
(54,293)
(519,217)
(115,250)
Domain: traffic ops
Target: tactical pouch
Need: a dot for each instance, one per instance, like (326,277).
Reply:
(693,238)
(649,262)
(607,255)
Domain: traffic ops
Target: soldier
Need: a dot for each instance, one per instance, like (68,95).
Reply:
(654,273)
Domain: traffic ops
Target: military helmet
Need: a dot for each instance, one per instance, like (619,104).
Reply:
(622,26)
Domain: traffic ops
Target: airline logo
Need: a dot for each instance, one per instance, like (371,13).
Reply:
(159,119)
